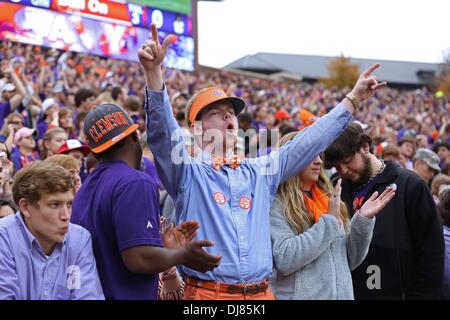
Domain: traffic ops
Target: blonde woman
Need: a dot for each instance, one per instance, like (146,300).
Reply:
(315,245)
(52,140)
(13,122)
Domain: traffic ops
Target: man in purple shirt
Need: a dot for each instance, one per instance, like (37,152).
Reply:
(118,204)
(42,255)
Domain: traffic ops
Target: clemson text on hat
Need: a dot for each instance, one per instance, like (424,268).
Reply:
(106,124)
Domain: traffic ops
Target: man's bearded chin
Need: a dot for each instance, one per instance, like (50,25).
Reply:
(365,175)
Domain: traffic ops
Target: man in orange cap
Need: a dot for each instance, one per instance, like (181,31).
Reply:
(230,199)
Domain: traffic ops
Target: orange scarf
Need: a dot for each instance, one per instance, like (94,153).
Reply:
(318,205)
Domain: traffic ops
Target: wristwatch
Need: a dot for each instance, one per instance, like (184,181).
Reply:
(353,99)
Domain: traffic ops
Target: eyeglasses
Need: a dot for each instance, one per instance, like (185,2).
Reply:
(16,122)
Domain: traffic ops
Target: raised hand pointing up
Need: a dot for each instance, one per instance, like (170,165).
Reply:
(364,88)
(151,55)
(367,84)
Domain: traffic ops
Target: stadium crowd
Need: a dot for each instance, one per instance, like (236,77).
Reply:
(49,99)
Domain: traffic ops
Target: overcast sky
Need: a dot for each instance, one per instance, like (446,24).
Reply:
(406,30)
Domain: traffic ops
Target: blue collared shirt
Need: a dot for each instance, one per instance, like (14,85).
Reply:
(69,273)
(232,206)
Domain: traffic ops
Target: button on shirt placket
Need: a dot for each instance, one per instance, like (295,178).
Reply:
(238,217)
(49,273)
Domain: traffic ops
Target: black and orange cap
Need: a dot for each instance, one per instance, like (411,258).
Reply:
(105,125)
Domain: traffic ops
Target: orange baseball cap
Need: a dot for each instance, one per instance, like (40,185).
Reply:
(205,97)
(307,117)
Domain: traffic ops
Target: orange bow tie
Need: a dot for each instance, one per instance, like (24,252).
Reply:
(218,161)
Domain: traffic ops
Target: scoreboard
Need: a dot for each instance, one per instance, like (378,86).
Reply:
(103,27)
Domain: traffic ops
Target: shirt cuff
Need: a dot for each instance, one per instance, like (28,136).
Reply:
(363,223)
(154,99)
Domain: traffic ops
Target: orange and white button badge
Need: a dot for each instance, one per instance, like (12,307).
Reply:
(219,198)
(245,203)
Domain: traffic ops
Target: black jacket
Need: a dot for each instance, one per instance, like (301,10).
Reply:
(407,243)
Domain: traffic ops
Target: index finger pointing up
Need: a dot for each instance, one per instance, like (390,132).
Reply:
(371,69)
(154,31)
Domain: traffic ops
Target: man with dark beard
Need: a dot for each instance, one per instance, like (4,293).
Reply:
(406,255)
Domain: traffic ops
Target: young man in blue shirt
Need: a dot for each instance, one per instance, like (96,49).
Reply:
(42,255)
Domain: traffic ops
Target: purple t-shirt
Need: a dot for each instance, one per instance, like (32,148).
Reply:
(150,169)
(119,207)
(5,110)
(42,128)
(259,125)
(446,289)
(20,160)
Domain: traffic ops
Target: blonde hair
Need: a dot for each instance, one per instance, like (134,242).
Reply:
(438,180)
(291,195)
(104,97)
(49,135)
(65,161)
(5,130)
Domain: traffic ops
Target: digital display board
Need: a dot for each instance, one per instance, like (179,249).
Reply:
(107,28)
(181,6)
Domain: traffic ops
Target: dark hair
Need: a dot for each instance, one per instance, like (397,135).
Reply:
(441,144)
(111,152)
(446,169)
(351,140)
(181,116)
(245,117)
(115,92)
(82,95)
(80,117)
(285,129)
(91,162)
(6,202)
(444,207)
(133,103)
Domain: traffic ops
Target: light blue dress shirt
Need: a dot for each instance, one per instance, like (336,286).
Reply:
(26,273)
(232,205)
